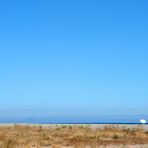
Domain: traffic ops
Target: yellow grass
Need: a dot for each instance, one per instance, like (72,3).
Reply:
(25,136)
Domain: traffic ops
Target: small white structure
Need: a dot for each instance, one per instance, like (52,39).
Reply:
(143,121)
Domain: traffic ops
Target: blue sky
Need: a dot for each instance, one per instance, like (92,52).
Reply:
(75,57)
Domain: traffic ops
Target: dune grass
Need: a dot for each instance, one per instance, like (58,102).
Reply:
(25,136)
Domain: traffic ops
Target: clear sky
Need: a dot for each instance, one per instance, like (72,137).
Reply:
(76,57)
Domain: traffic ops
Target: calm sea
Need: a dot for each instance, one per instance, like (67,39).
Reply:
(107,119)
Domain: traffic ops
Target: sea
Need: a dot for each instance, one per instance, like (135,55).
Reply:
(104,119)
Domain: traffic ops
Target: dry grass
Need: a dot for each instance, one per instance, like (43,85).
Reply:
(25,136)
